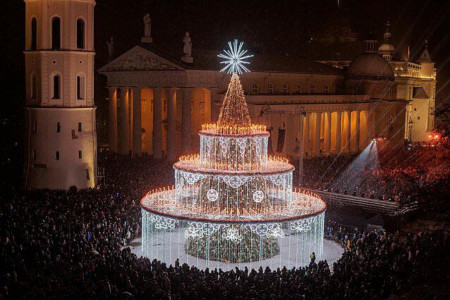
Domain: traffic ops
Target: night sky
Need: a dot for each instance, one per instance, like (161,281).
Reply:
(276,26)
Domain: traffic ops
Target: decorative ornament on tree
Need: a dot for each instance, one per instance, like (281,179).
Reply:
(212,195)
(235,58)
(232,234)
(258,196)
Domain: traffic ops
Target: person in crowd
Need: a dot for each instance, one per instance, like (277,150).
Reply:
(313,257)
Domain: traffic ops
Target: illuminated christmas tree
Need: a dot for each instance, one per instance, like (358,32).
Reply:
(234,111)
(232,203)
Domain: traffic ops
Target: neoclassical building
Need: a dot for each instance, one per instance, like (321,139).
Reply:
(158,100)
(61,135)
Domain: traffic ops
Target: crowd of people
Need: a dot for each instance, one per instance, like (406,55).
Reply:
(399,175)
(72,244)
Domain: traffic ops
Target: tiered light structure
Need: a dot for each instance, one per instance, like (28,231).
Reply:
(232,203)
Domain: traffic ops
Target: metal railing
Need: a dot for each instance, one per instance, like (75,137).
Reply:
(372,205)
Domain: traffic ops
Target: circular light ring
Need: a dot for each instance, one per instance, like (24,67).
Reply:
(321,207)
(221,135)
(280,168)
(212,195)
(258,196)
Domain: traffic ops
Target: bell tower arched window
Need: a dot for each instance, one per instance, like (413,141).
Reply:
(80,34)
(80,87)
(56,87)
(56,33)
(33,34)
(33,86)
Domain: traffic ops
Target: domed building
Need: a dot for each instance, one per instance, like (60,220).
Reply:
(370,66)
(387,73)
(371,74)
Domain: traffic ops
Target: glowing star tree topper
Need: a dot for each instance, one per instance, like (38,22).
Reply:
(235,58)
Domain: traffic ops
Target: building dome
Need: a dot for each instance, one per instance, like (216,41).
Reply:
(386,48)
(370,66)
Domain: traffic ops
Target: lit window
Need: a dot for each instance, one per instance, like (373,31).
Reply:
(270,88)
(255,88)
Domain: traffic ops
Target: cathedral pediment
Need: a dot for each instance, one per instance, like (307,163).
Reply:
(139,59)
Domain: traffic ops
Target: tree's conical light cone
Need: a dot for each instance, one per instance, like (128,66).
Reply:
(234,111)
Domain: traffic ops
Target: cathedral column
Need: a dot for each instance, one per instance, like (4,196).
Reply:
(171,124)
(157,124)
(112,117)
(214,110)
(338,131)
(349,131)
(328,136)
(186,119)
(137,128)
(373,123)
(317,135)
(291,132)
(357,127)
(301,150)
(307,135)
(124,121)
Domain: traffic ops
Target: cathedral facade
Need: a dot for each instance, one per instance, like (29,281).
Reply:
(158,100)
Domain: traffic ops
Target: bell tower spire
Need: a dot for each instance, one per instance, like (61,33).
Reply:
(387,49)
(61,136)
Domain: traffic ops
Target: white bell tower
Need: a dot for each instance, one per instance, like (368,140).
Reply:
(61,136)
